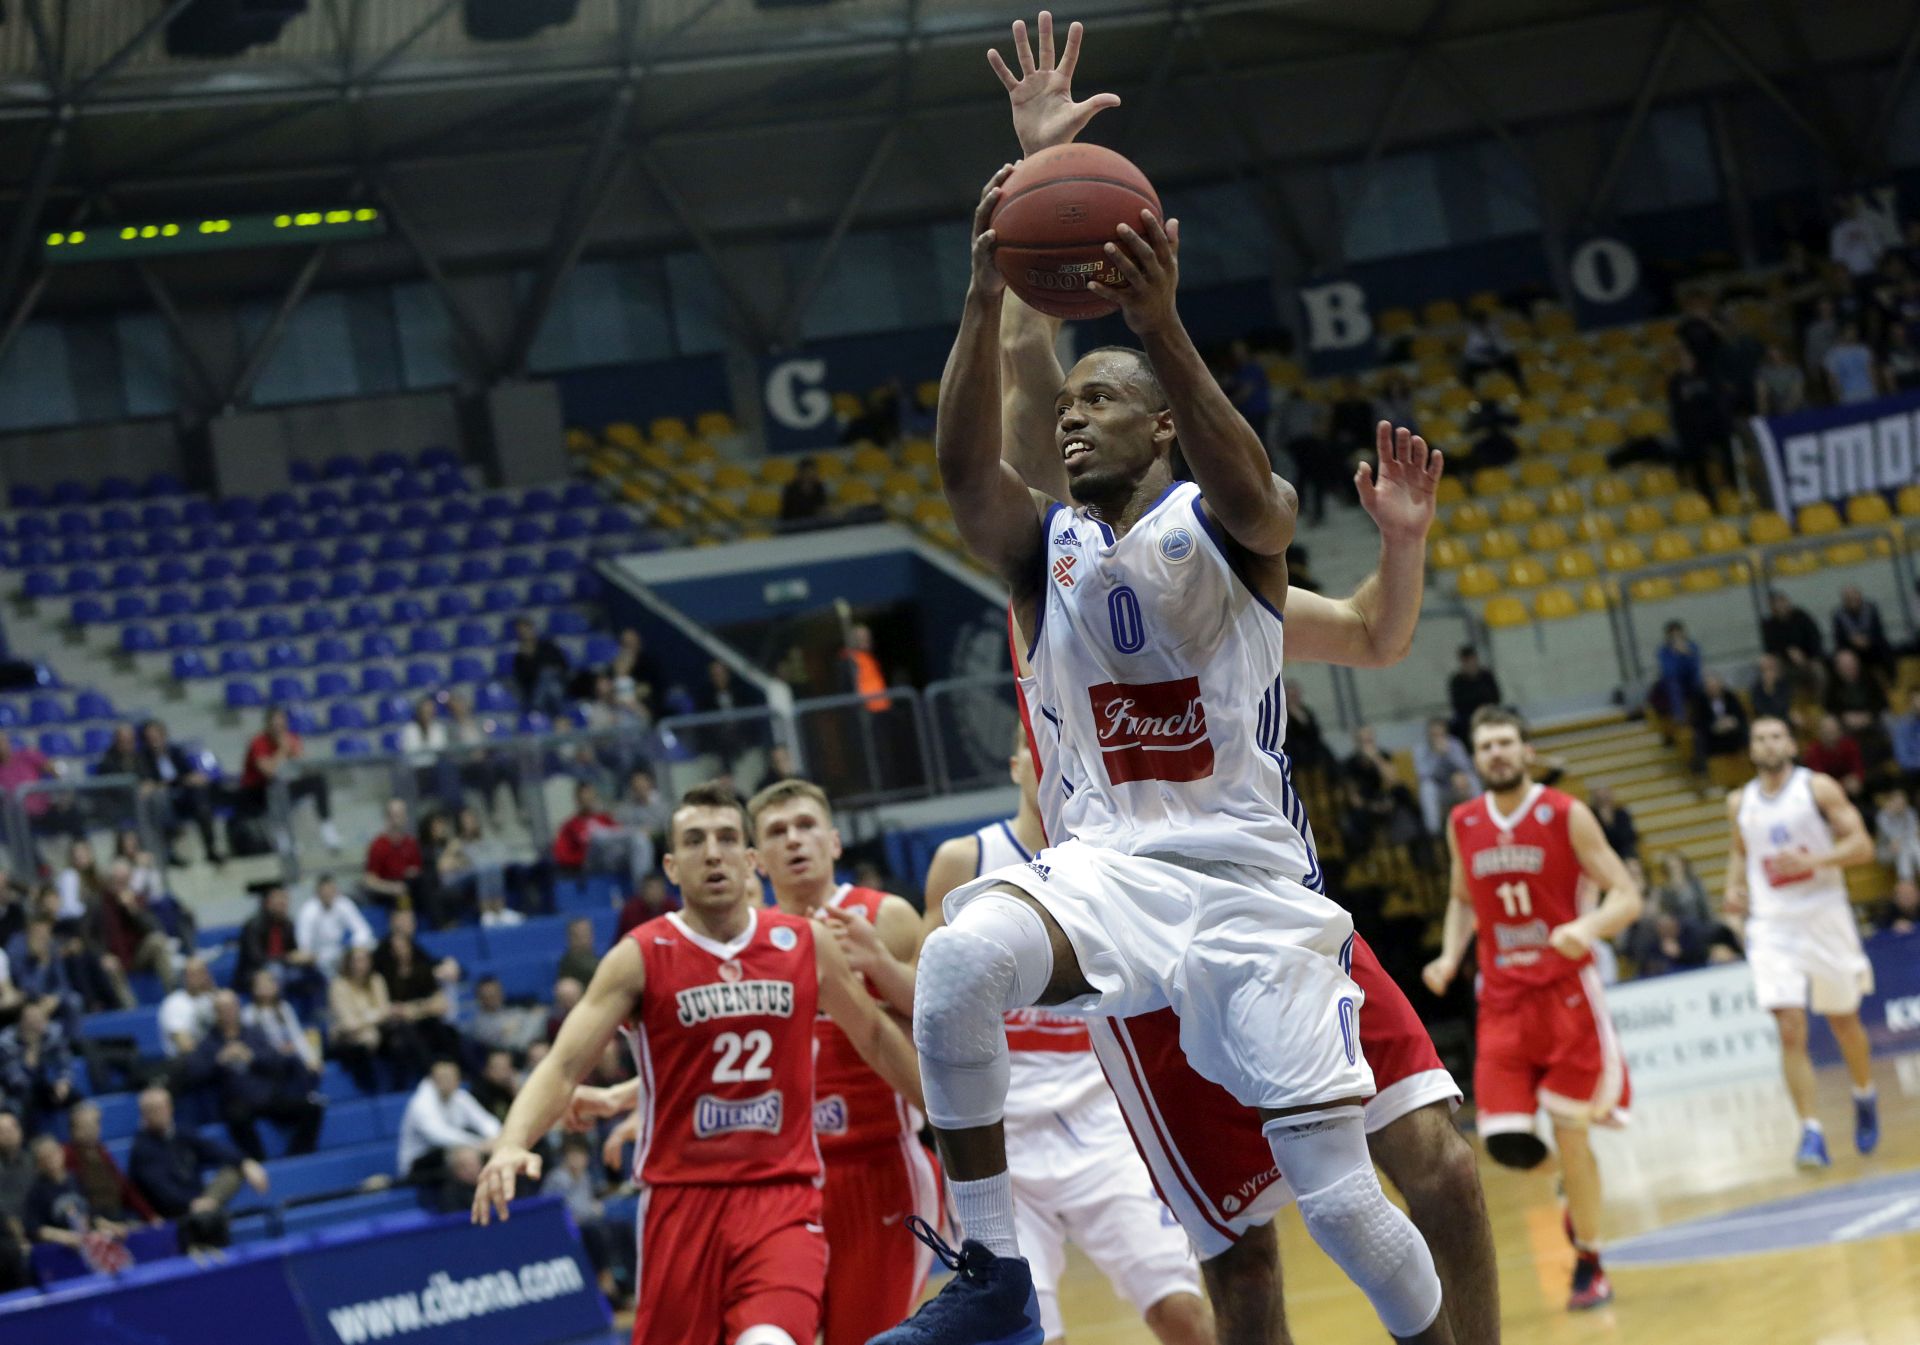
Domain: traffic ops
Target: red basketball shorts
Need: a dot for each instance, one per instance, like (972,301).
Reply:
(1549,1046)
(875,1267)
(715,1260)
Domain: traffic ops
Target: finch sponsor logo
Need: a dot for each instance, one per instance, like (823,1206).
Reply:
(1157,731)
(1509,859)
(725,1116)
(704,1003)
(830,1116)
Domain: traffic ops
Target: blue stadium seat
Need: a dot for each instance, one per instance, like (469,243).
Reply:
(9,717)
(370,521)
(517,565)
(216,598)
(475,570)
(196,513)
(261,593)
(171,602)
(535,722)
(579,495)
(119,546)
(495,699)
(472,635)
(142,1025)
(455,512)
(234,662)
(330,684)
(611,522)
(568,528)
(362,493)
(390,742)
(92,705)
(408,612)
(127,575)
(413,517)
(346,717)
(301,472)
(189,665)
(131,607)
(291,528)
(378,644)
(540,936)
(452,603)
(600,649)
(170,570)
(229,630)
(303,722)
(138,640)
(59,743)
(240,532)
(344,584)
(423,675)
(316,1174)
(324,499)
(33,525)
(305,557)
(526,532)
(395,546)
(78,551)
(327,528)
(522,978)
(317,619)
(496,507)
(362,616)
(83,579)
(44,710)
(214,567)
(466,668)
(483,537)
(73,523)
(331,649)
(184,635)
(438,458)
(278,504)
(244,696)
(257,563)
(437,542)
(36,584)
(566,621)
(113,488)
(284,654)
(87,612)
(561,560)
(93,743)
(431,574)
(547,593)
(349,551)
(302,588)
(393,710)
(385,580)
(539,500)
(153,516)
(377,679)
(286,688)
(275,625)
(33,553)
(237,509)
(426,639)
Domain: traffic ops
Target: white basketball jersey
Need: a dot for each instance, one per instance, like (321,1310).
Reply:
(1159,708)
(1052,1070)
(1779,823)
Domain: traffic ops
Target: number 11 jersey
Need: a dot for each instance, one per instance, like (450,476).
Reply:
(723,1039)
(1525,880)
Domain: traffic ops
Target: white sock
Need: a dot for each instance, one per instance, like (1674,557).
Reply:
(1814,1126)
(1865,1094)
(985,1209)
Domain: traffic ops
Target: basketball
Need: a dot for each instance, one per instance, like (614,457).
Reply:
(1056,214)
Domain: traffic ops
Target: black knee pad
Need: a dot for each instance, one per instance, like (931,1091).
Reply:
(1517,1149)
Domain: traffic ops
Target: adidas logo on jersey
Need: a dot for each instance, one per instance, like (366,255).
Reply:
(1044,870)
(1064,537)
(704,1003)
(725,1116)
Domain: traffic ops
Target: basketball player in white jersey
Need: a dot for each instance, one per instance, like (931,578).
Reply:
(1153,609)
(1794,833)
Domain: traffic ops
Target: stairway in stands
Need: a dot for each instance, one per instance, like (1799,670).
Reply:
(1650,781)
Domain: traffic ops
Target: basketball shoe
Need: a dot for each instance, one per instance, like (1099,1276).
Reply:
(989,1300)
(1866,1122)
(1813,1148)
(1591,1287)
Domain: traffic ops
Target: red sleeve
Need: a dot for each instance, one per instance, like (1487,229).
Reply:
(570,844)
(130,1194)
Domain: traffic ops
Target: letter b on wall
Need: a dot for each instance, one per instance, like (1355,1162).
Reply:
(1337,317)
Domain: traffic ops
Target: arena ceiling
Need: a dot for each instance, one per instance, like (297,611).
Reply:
(653,125)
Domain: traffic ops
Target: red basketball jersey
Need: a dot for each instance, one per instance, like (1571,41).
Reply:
(1525,880)
(855,1111)
(723,1045)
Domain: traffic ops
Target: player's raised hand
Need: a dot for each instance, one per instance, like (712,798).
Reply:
(1400,493)
(494,1191)
(1044,113)
(1572,940)
(987,280)
(858,939)
(1439,974)
(587,1105)
(1149,259)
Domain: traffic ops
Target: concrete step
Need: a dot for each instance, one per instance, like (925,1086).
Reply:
(1639,773)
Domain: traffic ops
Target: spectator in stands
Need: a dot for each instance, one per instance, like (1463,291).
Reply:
(566,994)
(122,756)
(1350,427)
(499,1026)
(1857,626)
(1852,374)
(127,931)
(79,882)
(1896,832)
(1859,237)
(497,1082)
(1719,721)
(574,1182)
(1822,331)
(496,874)
(186,1015)
(1470,687)
(25,766)
(423,740)
(581,958)
(591,841)
(1487,348)
(11,1000)
(36,1066)
(268,1012)
(14,895)
(365,1024)
(539,671)
(1381,804)
(449,881)
(149,886)
(170,1166)
(1858,699)
(1788,632)
(328,924)
(270,940)
(392,874)
(1438,760)
(57,1211)
(1679,661)
(804,498)
(183,788)
(1303,434)
(94,1170)
(1247,385)
(1779,386)
(16,1179)
(417,984)
(635,674)
(485,773)
(653,898)
(441,1117)
(1771,695)
(1899,914)
(1833,753)
(1660,942)
(1697,407)
(1904,733)
(269,757)
(1305,743)
(249,1078)
(1616,822)
(1901,366)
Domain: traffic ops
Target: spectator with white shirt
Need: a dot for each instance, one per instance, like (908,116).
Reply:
(442,1118)
(78,883)
(329,924)
(1860,235)
(187,1013)
(423,739)
(268,1011)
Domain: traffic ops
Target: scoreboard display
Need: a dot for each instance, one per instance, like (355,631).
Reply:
(178,237)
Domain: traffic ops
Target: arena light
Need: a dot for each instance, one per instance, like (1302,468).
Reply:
(213,233)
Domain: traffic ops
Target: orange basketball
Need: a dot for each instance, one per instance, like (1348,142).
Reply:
(1056,213)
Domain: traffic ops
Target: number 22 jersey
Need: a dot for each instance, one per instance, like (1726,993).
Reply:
(1525,880)
(723,1039)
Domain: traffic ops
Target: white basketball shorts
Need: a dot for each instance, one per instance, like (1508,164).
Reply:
(1809,961)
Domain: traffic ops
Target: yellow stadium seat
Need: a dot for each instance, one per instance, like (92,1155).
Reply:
(1449,491)
(666,428)
(831,466)
(580,442)
(1610,492)
(1908,501)
(857,492)
(624,433)
(1625,554)
(1531,410)
(1526,572)
(653,455)
(1615,338)
(1704,580)
(1537,475)
(1435,369)
(713,425)
(1483,301)
(763,503)
(697,452)
(1658,482)
(1866,510)
(1492,481)
(1603,432)
(1504,612)
(1470,517)
(1576,402)
(1448,553)
(1739,573)
(1596,595)
(1558,439)
(1690,507)
(871,460)
(1499,544)
(1631,365)
(1441,313)
(1848,553)
(1553,324)
(1554,604)
(1586,464)
(1797,562)
(636,493)
(901,484)
(1397,322)
(668,516)
(1426,346)
(1816,520)
(1654,589)
(918,453)
(1574,563)
(1595,528)
(1564,500)
(1719,536)
(1454,399)
(1543,380)
(1547,536)
(927,392)
(847,405)
(732,476)
(1517,509)
(932,509)
(1672,546)
(1478,581)
(1643,517)
(1497,386)
(1619,397)
(1648,422)
(1768,528)
(777,471)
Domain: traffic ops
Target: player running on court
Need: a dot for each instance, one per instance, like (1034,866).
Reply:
(1153,611)
(721,999)
(1520,853)
(877,1171)
(1793,834)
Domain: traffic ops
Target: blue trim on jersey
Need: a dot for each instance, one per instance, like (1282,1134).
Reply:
(1013,840)
(1050,717)
(1267,737)
(1211,526)
(1046,573)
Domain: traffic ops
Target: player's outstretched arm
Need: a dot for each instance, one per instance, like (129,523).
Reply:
(881,1042)
(1226,454)
(1852,844)
(1374,628)
(1456,931)
(1621,903)
(1030,380)
(1734,900)
(543,1098)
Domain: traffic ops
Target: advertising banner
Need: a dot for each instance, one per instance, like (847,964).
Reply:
(1693,1027)
(1835,452)
(1891,1013)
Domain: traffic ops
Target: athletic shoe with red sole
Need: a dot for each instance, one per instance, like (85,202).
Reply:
(1591,1287)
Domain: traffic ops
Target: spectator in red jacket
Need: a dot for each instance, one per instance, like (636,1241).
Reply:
(1833,753)
(269,755)
(393,862)
(585,839)
(100,1179)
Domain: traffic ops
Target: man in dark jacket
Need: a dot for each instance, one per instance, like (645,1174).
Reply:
(1470,687)
(249,1079)
(169,1166)
(187,790)
(1857,626)
(268,940)
(539,671)
(1788,633)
